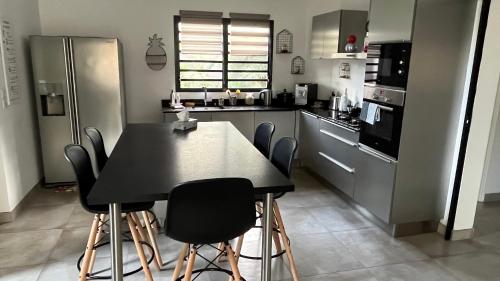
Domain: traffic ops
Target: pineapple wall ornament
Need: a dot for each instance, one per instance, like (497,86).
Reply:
(156,57)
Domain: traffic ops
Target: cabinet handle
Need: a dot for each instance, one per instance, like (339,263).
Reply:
(337,125)
(348,169)
(348,142)
(375,154)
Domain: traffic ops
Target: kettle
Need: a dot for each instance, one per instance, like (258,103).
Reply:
(266,96)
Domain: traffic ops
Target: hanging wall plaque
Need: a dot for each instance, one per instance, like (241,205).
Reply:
(156,57)
(298,65)
(284,42)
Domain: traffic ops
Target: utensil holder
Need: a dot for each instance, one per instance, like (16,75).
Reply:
(233,100)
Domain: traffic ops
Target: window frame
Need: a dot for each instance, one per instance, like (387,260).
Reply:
(225,62)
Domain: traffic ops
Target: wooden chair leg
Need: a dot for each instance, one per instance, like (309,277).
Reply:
(180,261)
(232,261)
(88,250)
(140,251)
(286,242)
(190,265)
(152,238)
(239,245)
(143,236)
(100,227)
(222,249)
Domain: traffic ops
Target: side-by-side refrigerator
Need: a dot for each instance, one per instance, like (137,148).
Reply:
(78,83)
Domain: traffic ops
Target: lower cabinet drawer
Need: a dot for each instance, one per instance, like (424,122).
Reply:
(337,173)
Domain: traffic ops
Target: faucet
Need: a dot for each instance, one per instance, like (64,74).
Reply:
(205,99)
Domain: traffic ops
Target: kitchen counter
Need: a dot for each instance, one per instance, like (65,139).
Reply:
(332,116)
(227,108)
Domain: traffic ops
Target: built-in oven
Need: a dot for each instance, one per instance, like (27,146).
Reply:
(388,64)
(381,119)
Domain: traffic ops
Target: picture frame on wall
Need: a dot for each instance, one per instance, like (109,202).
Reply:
(9,79)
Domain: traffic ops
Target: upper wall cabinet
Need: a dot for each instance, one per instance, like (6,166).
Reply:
(330,33)
(391,20)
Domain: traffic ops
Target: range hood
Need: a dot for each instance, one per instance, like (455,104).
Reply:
(330,33)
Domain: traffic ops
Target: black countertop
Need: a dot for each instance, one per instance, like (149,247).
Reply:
(149,160)
(330,115)
(227,108)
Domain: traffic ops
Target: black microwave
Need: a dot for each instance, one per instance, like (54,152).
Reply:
(388,64)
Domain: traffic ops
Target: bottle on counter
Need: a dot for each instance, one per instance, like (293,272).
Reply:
(344,102)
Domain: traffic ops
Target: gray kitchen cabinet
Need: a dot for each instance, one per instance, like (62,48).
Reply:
(201,116)
(243,121)
(374,186)
(337,155)
(284,122)
(309,140)
(331,30)
(391,20)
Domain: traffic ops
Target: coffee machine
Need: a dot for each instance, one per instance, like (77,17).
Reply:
(306,93)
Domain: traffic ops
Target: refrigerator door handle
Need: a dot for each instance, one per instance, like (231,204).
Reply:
(69,89)
(74,95)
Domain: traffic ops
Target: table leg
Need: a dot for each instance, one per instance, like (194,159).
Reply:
(267,242)
(115,217)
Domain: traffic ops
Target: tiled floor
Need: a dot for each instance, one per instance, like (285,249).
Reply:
(330,241)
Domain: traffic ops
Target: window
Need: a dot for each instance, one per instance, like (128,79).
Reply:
(222,54)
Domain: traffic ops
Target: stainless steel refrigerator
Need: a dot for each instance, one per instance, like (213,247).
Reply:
(78,83)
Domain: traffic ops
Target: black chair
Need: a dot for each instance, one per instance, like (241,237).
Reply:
(282,158)
(79,158)
(262,139)
(95,138)
(204,212)
(97,141)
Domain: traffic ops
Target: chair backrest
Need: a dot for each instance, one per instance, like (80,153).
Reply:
(283,154)
(262,139)
(97,142)
(79,158)
(210,211)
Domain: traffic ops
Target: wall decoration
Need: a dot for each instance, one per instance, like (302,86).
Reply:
(9,85)
(156,57)
(284,42)
(345,70)
(298,65)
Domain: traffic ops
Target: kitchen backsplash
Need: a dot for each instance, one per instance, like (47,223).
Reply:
(354,84)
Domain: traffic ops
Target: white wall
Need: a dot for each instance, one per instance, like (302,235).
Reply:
(133,21)
(19,154)
(479,136)
(491,173)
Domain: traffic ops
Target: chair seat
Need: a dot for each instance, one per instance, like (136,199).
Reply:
(126,208)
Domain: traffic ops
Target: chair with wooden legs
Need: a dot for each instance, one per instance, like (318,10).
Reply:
(205,212)
(79,158)
(97,141)
(282,158)
(262,138)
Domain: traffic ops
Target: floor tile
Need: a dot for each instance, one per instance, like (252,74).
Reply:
(39,218)
(79,218)
(312,198)
(477,266)
(320,254)
(27,273)
(434,245)
(41,196)
(27,248)
(301,221)
(373,247)
(340,219)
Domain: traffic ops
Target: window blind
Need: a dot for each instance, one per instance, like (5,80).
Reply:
(249,37)
(200,36)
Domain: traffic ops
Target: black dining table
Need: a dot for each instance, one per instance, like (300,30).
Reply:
(149,160)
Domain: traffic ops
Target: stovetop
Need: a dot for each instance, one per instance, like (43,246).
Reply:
(341,118)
